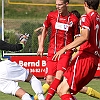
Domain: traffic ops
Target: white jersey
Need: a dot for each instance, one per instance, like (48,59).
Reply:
(10,73)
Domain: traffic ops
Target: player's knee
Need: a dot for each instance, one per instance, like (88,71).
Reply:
(36,85)
(59,92)
(59,75)
(63,89)
(34,79)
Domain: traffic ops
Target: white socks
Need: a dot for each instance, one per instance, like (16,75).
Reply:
(26,96)
(37,87)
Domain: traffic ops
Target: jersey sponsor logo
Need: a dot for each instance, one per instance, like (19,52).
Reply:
(62,26)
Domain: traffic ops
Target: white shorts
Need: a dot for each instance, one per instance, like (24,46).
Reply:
(10,73)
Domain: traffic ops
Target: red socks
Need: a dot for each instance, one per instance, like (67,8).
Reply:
(52,89)
(67,97)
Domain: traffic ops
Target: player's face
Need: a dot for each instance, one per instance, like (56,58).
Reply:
(61,6)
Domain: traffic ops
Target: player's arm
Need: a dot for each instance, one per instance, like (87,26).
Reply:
(40,35)
(14,47)
(10,47)
(78,41)
(75,50)
(41,44)
(38,32)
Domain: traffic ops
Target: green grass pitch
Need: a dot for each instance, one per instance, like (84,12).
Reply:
(94,84)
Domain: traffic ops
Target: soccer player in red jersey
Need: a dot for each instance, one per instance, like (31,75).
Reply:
(82,69)
(64,26)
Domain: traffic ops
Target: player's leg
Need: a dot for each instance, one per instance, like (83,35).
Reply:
(45,88)
(36,86)
(63,91)
(85,73)
(12,88)
(54,85)
(50,73)
(61,67)
(23,95)
(91,92)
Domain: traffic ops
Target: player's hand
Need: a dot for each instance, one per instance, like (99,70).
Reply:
(58,54)
(23,38)
(40,51)
(74,49)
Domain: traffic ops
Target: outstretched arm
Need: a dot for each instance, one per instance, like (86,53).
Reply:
(10,47)
(13,47)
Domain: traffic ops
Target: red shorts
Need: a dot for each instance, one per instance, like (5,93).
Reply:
(53,66)
(80,72)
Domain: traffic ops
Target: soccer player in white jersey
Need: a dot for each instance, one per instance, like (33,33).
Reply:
(11,73)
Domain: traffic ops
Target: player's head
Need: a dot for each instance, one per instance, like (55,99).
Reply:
(76,13)
(61,6)
(92,4)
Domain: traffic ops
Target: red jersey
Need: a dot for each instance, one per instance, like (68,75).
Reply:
(63,30)
(91,21)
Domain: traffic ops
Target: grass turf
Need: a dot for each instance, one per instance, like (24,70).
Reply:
(94,84)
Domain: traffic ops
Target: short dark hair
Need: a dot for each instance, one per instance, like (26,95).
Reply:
(76,13)
(66,1)
(92,4)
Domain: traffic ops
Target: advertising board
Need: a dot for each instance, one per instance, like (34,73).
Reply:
(37,65)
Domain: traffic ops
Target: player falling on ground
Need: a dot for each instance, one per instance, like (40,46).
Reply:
(11,73)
